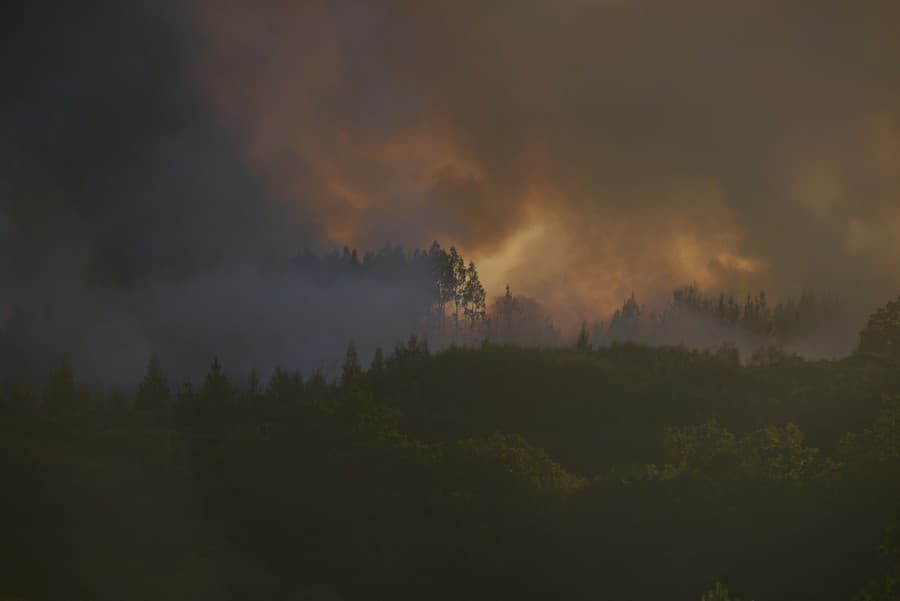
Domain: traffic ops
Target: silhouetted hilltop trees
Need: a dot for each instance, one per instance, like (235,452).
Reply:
(881,335)
(696,320)
(453,298)
(622,471)
(265,317)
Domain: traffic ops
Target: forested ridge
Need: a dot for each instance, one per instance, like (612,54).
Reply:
(488,472)
(291,307)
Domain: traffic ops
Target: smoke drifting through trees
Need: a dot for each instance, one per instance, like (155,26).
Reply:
(810,325)
(302,312)
(139,216)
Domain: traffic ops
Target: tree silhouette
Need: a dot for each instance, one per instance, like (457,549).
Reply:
(583,343)
(625,323)
(454,283)
(153,392)
(251,395)
(474,297)
(217,391)
(351,369)
(284,387)
(376,376)
(881,335)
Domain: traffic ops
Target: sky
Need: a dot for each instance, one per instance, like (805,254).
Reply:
(580,150)
(577,150)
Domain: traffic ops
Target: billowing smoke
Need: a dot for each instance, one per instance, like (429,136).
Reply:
(161,161)
(582,149)
(131,224)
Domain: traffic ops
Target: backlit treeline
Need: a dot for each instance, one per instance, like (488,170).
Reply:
(454,303)
(455,306)
(695,319)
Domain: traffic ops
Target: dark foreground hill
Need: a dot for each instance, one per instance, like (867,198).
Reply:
(494,473)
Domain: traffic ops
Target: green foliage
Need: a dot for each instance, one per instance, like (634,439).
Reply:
(414,351)
(718,593)
(878,445)
(708,449)
(510,456)
(777,453)
(881,335)
(411,473)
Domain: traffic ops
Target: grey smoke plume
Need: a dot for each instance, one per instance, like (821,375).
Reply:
(158,158)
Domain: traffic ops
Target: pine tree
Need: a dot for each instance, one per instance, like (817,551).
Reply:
(351,370)
(153,392)
(439,270)
(187,400)
(250,396)
(316,387)
(474,297)
(284,387)
(217,390)
(625,323)
(881,335)
(377,361)
(583,343)
(454,284)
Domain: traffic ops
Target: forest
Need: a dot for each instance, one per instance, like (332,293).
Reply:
(495,470)
(319,302)
(634,334)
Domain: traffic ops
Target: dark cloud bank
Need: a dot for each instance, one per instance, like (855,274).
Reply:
(161,160)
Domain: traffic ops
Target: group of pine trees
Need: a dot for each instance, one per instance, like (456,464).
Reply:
(455,301)
(218,392)
(689,311)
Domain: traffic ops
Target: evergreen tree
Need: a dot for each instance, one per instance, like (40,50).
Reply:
(439,274)
(474,297)
(454,284)
(251,395)
(583,343)
(217,390)
(153,392)
(187,400)
(317,387)
(626,321)
(377,361)
(506,310)
(351,370)
(881,335)
(376,376)
(284,387)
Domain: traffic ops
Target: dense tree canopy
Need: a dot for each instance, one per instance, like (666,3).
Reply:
(881,335)
(614,471)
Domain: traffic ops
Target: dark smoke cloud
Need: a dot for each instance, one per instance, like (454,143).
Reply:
(616,145)
(154,155)
(130,222)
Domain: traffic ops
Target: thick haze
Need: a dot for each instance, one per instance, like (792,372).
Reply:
(155,154)
(581,150)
